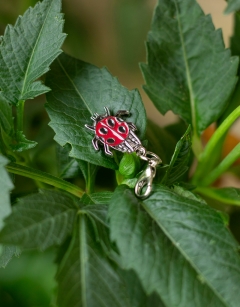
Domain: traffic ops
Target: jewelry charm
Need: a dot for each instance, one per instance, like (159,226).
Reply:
(114,132)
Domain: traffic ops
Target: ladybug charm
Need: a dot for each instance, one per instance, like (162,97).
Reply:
(114,132)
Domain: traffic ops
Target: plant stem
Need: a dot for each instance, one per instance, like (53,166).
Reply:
(20,113)
(206,158)
(212,193)
(90,180)
(45,178)
(222,167)
(197,146)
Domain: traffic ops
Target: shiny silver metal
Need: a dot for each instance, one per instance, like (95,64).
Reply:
(146,178)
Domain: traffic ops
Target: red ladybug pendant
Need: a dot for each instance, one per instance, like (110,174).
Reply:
(114,132)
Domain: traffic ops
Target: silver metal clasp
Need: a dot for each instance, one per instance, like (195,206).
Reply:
(145,180)
(146,177)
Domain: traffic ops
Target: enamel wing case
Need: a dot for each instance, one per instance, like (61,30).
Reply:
(114,132)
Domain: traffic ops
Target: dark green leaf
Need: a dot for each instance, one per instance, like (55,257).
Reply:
(80,89)
(86,276)
(179,248)
(6,119)
(22,142)
(234,100)
(160,141)
(138,297)
(136,294)
(40,220)
(97,198)
(177,129)
(6,186)
(188,70)
(233,5)
(96,206)
(89,172)
(67,166)
(180,159)
(229,196)
(234,41)
(27,50)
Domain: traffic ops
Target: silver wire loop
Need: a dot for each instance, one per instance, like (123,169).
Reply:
(146,177)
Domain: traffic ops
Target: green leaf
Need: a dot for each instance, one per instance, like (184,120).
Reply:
(195,258)
(6,186)
(40,220)
(160,141)
(89,172)
(138,297)
(86,276)
(229,196)
(67,166)
(97,198)
(188,70)
(80,89)
(6,119)
(188,194)
(179,163)
(28,48)
(7,253)
(233,5)
(234,100)
(22,142)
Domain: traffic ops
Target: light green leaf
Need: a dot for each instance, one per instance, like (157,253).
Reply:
(179,163)
(179,248)
(28,48)
(6,186)
(229,196)
(187,194)
(188,70)
(80,89)
(95,281)
(129,165)
(40,220)
(7,253)
(233,6)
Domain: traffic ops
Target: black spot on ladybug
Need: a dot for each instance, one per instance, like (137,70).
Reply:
(103,130)
(111,122)
(122,129)
(110,140)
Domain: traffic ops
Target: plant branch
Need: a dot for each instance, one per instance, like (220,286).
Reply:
(45,178)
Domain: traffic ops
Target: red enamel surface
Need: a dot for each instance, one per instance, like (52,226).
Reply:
(113,132)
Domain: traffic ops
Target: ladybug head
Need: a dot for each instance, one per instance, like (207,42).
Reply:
(96,117)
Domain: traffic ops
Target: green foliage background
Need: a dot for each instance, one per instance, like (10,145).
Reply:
(29,279)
